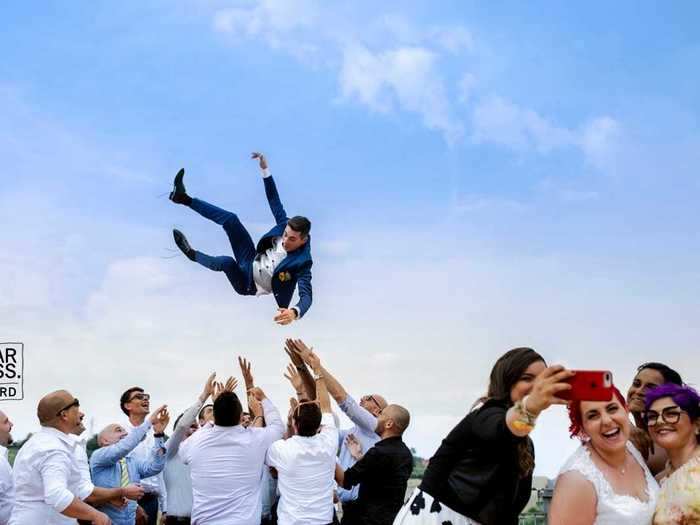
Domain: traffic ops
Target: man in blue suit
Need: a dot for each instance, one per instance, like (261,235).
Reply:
(279,263)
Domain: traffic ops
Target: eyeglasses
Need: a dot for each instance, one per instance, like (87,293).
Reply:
(140,396)
(75,403)
(670,415)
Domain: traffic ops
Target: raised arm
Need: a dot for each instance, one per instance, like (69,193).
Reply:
(274,427)
(273,197)
(155,462)
(306,377)
(324,399)
(108,456)
(188,418)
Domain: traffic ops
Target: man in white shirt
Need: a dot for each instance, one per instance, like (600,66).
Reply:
(226,462)
(7,486)
(305,462)
(49,488)
(135,403)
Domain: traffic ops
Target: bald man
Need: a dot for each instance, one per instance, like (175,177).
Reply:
(49,488)
(363,415)
(7,485)
(382,472)
(112,465)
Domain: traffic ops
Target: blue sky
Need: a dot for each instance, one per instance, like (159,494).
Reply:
(479,176)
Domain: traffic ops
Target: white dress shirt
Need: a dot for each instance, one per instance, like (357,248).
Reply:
(176,475)
(7,488)
(264,266)
(47,478)
(306,469)
(226,464)
(154,484)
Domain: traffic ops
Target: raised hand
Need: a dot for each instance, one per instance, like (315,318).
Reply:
(545,388)
(246,372)
(257,393)
(162,420)
(231,384)
(153,416)
(285,316)
(261,158)
(307,354)
(254,405)
(295,379)
(294,356)
(208,389)
(354,446)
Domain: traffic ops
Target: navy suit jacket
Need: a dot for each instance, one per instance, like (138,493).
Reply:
(296,267)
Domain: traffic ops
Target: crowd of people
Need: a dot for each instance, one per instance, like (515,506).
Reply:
(225,464)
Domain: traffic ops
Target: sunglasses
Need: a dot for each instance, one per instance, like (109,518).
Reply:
(670,415)
(140,397)
(75,403)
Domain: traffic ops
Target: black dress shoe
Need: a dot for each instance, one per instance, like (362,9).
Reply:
(182,243)
(179,193)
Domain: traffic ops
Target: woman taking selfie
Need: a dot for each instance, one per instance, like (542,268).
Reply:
(673,420)
(482,472)
(605,482)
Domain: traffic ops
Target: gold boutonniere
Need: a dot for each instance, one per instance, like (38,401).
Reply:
(284,276)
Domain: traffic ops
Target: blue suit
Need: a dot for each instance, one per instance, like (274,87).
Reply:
(294,270)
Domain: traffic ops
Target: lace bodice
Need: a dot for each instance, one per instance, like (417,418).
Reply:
(613,508)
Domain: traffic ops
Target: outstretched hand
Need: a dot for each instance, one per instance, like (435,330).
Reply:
(246,372)
(294,378)
(261,158)
(208,389)
(220,388)
(285,316)
(307,354)
(160,419)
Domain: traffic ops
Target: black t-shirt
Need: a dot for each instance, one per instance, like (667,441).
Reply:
(482,450)
(383,474)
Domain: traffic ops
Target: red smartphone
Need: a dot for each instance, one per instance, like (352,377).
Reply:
(589,385)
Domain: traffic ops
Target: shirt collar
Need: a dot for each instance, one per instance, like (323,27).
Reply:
(3,452)
(68,439)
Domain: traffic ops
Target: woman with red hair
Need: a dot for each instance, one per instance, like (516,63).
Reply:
(606,481)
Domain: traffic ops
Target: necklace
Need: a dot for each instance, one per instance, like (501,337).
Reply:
(621,469)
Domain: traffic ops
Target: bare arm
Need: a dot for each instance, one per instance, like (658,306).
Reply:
(306,377)
(334,387)
(574,501)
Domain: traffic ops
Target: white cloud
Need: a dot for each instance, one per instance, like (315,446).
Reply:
(390,66)
(497,120)
(405,77)
(599,140)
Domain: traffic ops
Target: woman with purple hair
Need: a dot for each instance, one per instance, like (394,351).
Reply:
(673,419)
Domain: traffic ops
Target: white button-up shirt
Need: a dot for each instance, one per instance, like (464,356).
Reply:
(306,470)
(264,266)
(47,478)
(7,488)
(226,464)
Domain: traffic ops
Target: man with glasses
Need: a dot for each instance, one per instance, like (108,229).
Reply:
(7,486)
(135,403)
(364,414)
(49,488)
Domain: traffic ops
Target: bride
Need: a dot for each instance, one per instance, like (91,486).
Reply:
(606,481)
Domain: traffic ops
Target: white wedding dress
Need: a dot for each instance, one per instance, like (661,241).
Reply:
(612,508)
